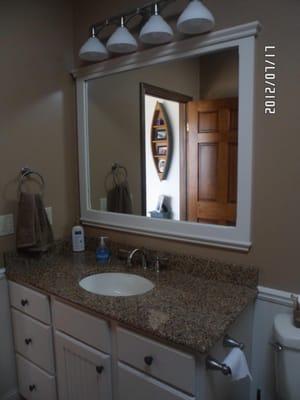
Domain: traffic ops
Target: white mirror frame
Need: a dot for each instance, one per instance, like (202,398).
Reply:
(234,237)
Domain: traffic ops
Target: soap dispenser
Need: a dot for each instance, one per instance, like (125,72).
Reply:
(102,252)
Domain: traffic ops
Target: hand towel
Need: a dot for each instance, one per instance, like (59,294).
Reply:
(119,199)
(34,232)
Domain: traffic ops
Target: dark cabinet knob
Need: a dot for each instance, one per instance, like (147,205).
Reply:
(28,341)
(32,388)
(99,369)
(24,302)
(148,360)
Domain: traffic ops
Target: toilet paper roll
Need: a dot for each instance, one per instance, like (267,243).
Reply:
(237,362)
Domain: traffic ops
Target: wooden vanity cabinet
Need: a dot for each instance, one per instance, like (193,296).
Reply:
(74,355)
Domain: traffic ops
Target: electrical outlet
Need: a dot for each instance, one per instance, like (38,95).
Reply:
(49,213)
(7,225)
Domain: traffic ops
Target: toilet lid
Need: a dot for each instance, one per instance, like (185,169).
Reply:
(285,332)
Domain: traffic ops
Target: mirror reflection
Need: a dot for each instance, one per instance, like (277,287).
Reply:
(163,140)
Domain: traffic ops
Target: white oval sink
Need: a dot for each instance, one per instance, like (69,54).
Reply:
(116,284)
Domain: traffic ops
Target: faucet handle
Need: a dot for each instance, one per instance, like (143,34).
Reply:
(158,261)
(123,254)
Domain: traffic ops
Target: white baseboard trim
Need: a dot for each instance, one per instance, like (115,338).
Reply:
(12,395)
(274,296)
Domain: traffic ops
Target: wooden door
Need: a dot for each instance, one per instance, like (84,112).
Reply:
(82,372)
(212,161)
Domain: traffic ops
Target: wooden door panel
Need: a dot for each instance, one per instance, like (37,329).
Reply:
(212,161)
(207,121)
(207,174)
(210,210)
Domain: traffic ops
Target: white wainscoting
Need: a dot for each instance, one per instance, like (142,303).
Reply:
(269,303)
(14,395)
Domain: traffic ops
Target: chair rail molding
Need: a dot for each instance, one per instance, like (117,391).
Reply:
(275,296)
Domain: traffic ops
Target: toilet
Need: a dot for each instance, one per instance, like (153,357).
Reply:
(287,357)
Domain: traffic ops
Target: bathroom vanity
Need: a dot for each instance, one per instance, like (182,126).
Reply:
(72,344)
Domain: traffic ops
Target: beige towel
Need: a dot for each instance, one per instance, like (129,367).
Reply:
(34,232)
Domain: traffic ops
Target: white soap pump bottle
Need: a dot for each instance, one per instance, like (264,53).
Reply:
(78,242)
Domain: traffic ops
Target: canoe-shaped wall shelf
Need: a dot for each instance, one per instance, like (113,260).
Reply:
(161,141)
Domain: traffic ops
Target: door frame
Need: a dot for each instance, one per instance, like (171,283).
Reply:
(182,99)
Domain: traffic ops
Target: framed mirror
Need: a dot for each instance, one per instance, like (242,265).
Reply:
(165,140)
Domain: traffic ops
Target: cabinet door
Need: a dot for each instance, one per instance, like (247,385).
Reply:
(82,372)
(135,385)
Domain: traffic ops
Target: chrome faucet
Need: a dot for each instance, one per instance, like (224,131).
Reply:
(133,253)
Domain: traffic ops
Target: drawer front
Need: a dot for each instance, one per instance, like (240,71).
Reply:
(33,340)
(90,330)
(135,385)
(34,383)
(30,302)
(165,363)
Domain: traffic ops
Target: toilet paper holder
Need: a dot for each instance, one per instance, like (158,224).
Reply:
(213,364)
(228,341)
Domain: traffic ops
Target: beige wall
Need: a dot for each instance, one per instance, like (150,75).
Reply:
(37,105)
(276,189)
(219,74)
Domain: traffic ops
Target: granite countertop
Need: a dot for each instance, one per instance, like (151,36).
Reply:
(192,305)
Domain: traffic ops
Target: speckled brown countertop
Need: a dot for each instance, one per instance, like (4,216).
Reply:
(191,306)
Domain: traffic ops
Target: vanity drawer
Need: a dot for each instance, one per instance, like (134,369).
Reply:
(34,383)
(30,302)
(165,363)
(33,340)
(135,385)
(82,326)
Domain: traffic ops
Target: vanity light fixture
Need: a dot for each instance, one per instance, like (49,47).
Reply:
(195,19)
(93,49)
(156,30)
(122,41)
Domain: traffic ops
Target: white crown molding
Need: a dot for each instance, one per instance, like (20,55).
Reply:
(274,296)
(195,42)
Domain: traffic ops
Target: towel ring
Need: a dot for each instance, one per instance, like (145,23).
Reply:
(25,173)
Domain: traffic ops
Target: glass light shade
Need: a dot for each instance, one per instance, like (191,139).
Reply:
(156,31)
(93,50)
(122,41)
(196,18)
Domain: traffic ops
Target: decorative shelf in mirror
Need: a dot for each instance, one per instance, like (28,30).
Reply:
(161,141)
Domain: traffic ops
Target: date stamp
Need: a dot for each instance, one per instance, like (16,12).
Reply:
(270,80)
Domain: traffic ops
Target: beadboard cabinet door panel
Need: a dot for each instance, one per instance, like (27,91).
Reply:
(82,372)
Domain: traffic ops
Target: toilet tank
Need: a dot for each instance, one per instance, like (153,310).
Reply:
(287,359)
